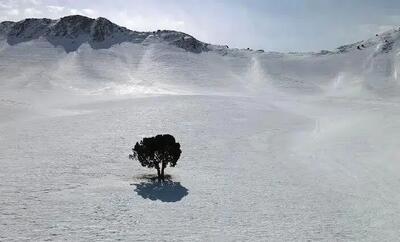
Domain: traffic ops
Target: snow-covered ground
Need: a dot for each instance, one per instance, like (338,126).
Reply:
(277,147)
(279,170)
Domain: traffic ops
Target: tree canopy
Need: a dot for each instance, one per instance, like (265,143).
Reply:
(157,152)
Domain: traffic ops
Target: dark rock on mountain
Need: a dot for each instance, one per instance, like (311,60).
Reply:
(71,32)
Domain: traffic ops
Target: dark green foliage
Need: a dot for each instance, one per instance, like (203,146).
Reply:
(157,152)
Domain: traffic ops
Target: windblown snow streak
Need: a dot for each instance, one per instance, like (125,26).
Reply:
(95,55)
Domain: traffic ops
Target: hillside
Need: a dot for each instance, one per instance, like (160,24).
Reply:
(95,56)
(71,32)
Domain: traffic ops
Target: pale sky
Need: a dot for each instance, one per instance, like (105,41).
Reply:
(272,25)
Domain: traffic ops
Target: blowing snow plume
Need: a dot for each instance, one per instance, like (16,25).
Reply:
(97,56)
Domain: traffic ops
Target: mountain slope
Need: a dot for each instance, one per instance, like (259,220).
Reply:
(96,56)
(71,32)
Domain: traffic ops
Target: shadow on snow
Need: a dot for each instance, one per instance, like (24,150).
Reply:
(165,191)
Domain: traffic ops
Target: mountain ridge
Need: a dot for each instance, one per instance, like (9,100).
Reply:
(72,31)
(167,61)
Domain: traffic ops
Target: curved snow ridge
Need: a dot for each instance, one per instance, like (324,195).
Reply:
(380,43)
(158,67)
(97,56)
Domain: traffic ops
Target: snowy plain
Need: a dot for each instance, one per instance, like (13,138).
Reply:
(276,147)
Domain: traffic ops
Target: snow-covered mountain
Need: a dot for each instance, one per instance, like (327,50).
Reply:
(96,55)
(71,32)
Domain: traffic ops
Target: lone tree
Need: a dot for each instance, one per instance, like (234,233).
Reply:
(157,152)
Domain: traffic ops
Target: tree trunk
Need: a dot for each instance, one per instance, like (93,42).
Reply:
(158,173)
(162,173)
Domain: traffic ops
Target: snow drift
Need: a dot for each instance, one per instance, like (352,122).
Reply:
(95,56)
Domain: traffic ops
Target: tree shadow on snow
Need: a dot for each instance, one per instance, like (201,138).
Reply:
(165,191)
